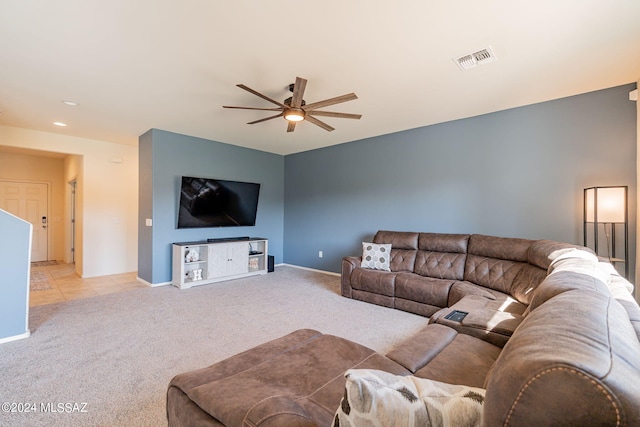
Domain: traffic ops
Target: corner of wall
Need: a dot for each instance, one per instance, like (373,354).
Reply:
(637,292)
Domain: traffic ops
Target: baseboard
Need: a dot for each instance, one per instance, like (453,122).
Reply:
(152,285)
(15,337)
(330,273)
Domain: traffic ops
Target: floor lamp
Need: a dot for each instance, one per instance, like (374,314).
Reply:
(606,217)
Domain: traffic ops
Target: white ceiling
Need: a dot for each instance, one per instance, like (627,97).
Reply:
(133,65)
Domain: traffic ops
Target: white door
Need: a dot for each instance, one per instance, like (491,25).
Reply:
(29,201)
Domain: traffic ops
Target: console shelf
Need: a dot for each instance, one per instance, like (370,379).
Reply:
(203,262)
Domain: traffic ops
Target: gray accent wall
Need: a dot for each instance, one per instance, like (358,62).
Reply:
(513,173)
(164,158)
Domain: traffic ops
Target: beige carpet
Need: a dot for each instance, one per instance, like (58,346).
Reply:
(116,353)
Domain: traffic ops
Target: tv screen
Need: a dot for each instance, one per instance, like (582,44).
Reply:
(206,202)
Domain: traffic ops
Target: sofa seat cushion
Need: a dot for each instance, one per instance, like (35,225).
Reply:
(466,360)
(427,290)
(375,397)
(420,308)
(294,380)
(440,353)
(461,289)
(374,281)
(491,320)
(373,298)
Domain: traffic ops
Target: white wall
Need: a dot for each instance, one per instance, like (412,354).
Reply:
(108,196)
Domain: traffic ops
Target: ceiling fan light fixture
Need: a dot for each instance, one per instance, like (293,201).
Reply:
(294,109)
(294,115)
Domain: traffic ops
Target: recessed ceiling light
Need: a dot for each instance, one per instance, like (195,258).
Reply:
(59,124)
(70,103)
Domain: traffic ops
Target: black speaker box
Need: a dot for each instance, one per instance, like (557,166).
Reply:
(270,263)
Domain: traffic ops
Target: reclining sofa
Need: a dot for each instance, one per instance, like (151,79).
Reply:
(520,333)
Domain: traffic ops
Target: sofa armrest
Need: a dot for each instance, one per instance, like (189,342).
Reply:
(349,263)
(418,350)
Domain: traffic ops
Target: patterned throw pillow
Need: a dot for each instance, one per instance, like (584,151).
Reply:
(378,398)
(375,256)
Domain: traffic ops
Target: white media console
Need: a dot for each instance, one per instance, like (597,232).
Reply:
(209,261)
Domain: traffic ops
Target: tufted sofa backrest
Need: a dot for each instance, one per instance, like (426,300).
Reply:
(509,265)
(502,264)
(404,245)
(441,255)
(573,269)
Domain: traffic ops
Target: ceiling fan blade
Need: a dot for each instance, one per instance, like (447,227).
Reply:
(317,122)
(332,114)
(298,91)
(330,101)
(265,119)
(256,93)
(253,108)
(291,126)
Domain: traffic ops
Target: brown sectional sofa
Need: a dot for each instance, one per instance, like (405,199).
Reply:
(551,334)
(430,271)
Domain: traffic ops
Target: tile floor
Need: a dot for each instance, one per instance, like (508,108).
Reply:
(66,285)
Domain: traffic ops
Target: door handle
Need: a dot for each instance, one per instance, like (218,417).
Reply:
(44,222)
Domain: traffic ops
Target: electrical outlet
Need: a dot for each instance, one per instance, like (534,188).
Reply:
(319,254)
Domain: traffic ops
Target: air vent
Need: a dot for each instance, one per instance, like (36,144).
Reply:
(483,56)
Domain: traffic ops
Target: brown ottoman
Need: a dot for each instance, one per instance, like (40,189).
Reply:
(295,380)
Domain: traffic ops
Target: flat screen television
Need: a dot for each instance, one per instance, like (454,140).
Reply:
(206,202)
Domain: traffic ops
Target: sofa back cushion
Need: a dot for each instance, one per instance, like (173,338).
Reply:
(543,252)
(505,248)
(492,273)
(441,255)
(573,270)
(398,239)
(441,265)
(574,360)
(441,242)
(403,248)
(633,311)
(402,259)
(501,263)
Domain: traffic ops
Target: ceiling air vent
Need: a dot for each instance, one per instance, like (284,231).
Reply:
(483,56)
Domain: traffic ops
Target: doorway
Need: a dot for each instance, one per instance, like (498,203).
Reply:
(29,201)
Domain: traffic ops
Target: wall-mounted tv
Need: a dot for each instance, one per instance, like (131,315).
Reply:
(206,202)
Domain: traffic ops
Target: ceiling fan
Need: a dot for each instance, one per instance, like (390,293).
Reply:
(295,109)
